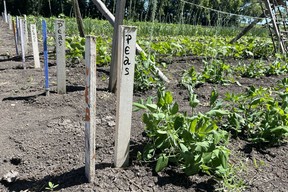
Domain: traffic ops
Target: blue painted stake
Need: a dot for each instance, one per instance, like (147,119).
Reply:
(44,33)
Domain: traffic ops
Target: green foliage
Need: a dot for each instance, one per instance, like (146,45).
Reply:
(193,143)
(75,46)
(209,46)
(261,115)
(255,69)
(145,76)
(191,79)
(217,71)
(258,68)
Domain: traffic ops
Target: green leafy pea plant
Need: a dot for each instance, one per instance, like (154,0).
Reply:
(193,143)
(260,115)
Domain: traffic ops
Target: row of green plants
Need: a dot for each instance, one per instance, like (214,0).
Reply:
(220,72)
(100,27)
(209,46)
(260,114)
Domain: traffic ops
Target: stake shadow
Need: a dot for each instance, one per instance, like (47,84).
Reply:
(23,98)
(263,149)
(65,180)
(182,180)
(74,88)
(103,71)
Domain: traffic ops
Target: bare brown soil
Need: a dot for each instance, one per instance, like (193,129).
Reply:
(42,137)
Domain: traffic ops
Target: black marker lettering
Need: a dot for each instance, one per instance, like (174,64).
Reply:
(127,50)
(128,38)
(127,71)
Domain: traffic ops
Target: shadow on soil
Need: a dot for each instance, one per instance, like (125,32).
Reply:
(69,179)
(74,88)
(263,149)
(70,89)
(23,98)
(182,180)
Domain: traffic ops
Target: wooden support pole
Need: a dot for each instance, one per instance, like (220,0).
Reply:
(248,28)
(60,55)
(279,39)
(126,51)
(22,43)
(90,112)
(78,18)
(34,40)
(120,9)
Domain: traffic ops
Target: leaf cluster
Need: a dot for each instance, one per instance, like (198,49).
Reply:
(194,143)
(260,114)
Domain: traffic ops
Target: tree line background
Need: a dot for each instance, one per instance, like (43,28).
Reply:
(168,11)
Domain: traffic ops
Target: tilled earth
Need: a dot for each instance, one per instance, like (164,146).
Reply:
(42,137)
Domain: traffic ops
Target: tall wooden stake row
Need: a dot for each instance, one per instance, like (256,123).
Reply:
(22,37)
(34,40)
(90,112)
(46,72)
(125,81)
(60,55)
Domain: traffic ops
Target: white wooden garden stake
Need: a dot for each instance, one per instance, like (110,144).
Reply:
(60,55)
(125,81)
(34,40)
(90,112)
(10,21)
(22,42)
(26,31)
(18,30)
(5,12)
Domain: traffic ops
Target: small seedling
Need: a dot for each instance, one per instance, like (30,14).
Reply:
(51,186)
